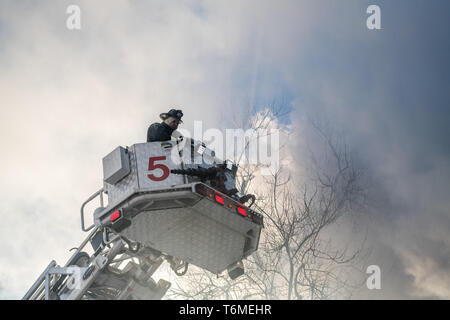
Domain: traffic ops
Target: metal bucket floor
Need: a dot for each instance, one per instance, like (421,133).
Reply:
(205,235)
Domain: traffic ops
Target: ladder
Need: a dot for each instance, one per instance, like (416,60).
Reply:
(98,276)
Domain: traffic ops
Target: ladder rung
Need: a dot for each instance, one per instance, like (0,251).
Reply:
(39,281)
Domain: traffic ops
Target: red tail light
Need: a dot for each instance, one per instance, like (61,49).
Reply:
(242,211)
(220,200)
(229,203)
(116,215)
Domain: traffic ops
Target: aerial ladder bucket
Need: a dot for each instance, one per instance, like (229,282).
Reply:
(168,201)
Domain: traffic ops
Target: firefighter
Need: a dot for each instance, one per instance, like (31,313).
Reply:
(163,131)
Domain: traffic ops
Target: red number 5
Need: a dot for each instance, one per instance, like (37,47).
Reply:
(153,166)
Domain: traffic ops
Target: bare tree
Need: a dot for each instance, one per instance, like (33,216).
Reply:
(295,259)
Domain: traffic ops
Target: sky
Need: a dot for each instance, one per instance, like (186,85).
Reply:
(69,97)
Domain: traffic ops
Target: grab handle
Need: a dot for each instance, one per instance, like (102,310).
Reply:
(95,195)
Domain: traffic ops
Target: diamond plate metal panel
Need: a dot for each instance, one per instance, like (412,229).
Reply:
(163,154)
(186,234)
(116,165)
(138,178)
(125,187)
(205,235)
(224,216)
